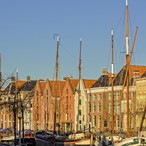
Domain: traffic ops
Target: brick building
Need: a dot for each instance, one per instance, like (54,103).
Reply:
(100,103)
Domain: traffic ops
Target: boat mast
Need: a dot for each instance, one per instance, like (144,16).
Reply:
(56,82)
(112,68)
(79,91)
(127,65)
(0,73)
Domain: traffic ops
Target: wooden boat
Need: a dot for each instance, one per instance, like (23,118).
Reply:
(46,139)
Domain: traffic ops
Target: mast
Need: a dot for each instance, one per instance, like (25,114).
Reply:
(79,91)
(127,29)
(0,72)
(127,65)
(112,67)
(56,82)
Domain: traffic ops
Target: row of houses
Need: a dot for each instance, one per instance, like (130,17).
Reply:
(76,104)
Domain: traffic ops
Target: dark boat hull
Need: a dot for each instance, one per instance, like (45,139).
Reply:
(41,142)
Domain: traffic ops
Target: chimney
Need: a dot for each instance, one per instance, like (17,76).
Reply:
(28,78)
(12,78)
(104,71)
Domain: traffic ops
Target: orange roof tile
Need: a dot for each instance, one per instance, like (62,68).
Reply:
(42,85)
(88,82)
(141,69)
(60,85)
(74,82)
(19,83)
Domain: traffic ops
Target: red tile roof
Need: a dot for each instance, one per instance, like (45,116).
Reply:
(57,91)
(88,82)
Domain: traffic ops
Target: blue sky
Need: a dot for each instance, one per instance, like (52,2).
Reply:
(27,28)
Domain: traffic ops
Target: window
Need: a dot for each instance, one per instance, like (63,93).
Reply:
(99,97)
(80,113)
(105,123)
(37,93)
(46,92)
(94,97)
(99,121)
(94,107)
(94,120)
(66,91)
(83,117)
(79,101)
(99,107)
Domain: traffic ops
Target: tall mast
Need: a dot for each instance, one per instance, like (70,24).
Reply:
(112,68)
(127,64)
(0,72)
(56,82)
(127,29)
(79,91)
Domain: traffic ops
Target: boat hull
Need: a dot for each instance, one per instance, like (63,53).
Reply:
(81,142)
(41,142)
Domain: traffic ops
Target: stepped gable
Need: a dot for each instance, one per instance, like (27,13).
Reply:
(103,81)
(59,87)
(135,71)
(88,83)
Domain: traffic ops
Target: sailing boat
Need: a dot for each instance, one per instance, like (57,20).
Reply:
(129,140)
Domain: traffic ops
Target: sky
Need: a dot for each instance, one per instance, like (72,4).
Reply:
(27,41)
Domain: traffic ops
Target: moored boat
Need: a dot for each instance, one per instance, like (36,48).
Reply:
(46,139)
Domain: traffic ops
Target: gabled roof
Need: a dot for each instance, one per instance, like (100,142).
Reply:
(133,70)
(144,74)
(103,81)
(42,85)
(19,83)
(73,83)
(12,86)
(57,87)
(28,86)
(88,82)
